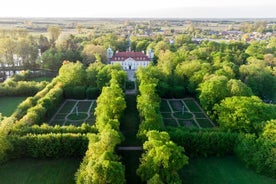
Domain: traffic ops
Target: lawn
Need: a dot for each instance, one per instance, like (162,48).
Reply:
(192,113)
(75,112)
(29,171)
(221,170)
(9,104)
(130,160)
(129,124)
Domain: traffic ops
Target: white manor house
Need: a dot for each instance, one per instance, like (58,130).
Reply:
(130,60)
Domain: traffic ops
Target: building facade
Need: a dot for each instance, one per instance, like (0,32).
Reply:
(130,60)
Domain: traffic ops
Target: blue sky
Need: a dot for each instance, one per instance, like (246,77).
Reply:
(140,8)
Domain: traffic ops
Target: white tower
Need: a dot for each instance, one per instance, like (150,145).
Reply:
(109,54)
(150,54)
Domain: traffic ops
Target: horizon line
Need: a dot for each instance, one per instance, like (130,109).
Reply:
(87,17)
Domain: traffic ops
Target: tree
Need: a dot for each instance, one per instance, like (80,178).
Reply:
(141,45)
(110,106)
(212,91)
(27,50)
(182,39)
(52,59)
(90,51)
(92,72)
(161,46)
(54,32)
(7,50)
(162,159)
(243,114)
(238,88)
(192,73)
(259,78)
(43,43)
(256,49)
(167,62)
(75,77)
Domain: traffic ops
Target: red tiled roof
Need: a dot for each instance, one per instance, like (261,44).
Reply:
(137,56)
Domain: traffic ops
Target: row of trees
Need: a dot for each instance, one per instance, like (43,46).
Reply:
(162,158)
(101,164)
(96,75)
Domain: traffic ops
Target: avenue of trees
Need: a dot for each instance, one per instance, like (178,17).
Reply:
(101,164)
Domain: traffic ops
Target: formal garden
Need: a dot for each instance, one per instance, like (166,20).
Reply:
(184,112)
(74,112)
(189,122)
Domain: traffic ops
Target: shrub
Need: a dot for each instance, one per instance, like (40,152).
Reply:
(92,93)
(79,92)
(21,88)
(46,129)
(48,145)
(257,153)
(178,91)
(203,143)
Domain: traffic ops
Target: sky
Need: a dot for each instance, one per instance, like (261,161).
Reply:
(140,8)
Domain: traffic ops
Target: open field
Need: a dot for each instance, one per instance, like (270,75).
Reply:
(221,170)
(9,104)
(75,112)
(184,112)
(47,171)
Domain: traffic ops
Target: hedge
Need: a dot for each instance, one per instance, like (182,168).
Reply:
(257,153)
(46,129)
(48,145)
(204,143)
(21,88)
(92,93)
(45,108)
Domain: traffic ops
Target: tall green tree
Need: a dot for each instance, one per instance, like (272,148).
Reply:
(243,114)
(72,74)
(162,159)
(212,91)
(54,32)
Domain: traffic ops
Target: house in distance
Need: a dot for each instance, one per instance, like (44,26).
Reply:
(130,60)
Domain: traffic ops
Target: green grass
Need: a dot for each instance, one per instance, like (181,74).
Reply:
(67,106)
(130,160)
(204,123)
(9,104)
(219,171)
(129,124)
(170,122)
(192,106)
(32,171)
(177,105)
(69,109)
(78,117)
(164,107)
(185,115)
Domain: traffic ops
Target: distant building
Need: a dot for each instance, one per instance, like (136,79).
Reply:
(130,60)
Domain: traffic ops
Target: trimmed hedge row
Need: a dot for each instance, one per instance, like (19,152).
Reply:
(148,104)
(81,92)
(101,164)
(22,108)
(203,143)
(46,129)
(257,153)
(48,145)
(45,108)
(21,88)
